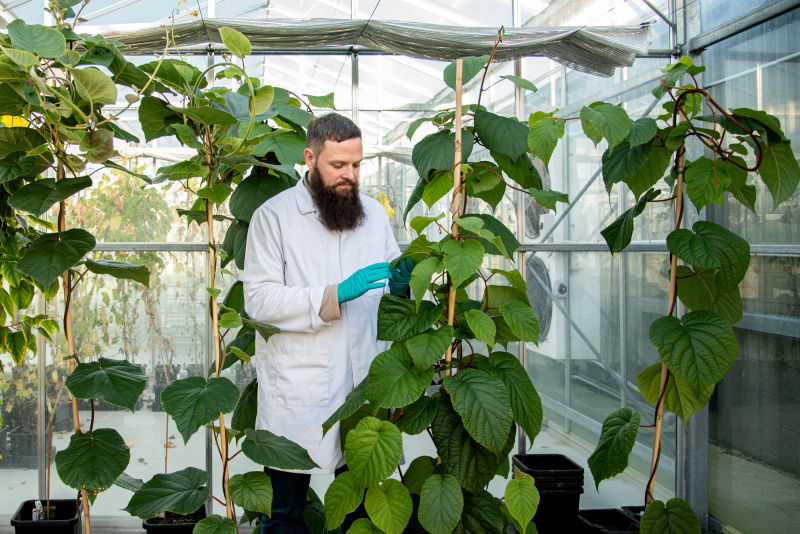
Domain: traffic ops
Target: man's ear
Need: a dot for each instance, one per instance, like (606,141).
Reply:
(309,156)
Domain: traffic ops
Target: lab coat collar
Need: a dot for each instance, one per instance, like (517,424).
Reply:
(304,201)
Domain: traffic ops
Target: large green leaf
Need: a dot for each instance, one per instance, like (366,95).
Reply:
(52,254)
(288,147)
(462,258)
(244,415)
(394,380)
(418,416)
(504,135)
(698,290)
(418,472)
(37,39)
(495,227)
(481,515)
(342,497)
(428,348)
(265,330)
(617,438)
(485,182)
(779,170)
(469,68)
(522,499)
(194,401)
(354,400)
(676,517)
(436,152)
(400,319)
(543,137)
(521,319)
(98,145)
(235,41)
(706,181)
(215,524)
(235,246)
(207,115)
(709,246)
(254,191)
(698,348)
(521,170)
(548,198)
(19,139)
(38,196)
(155,117)
(93,460)
(118,269)
(440,504)
(115,381)
(389,506)
(481,325)
(639,166)
(252,491)
(679,398)
(526,405)
(439,185)
(362,525)
(189,168)
(619,233)
(181,492)
(265,448)
(642,131)
(601,120)
(95,86)
(373,450)
(482,402)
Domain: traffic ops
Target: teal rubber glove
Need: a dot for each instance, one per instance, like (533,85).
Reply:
(363,280)
(401,276)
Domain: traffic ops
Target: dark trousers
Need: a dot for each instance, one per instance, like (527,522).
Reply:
(289,492)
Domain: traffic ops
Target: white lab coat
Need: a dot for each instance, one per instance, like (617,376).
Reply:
(306,371)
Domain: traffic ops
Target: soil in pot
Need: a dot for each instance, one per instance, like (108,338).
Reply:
(64,518)
(175,523)
(609,521)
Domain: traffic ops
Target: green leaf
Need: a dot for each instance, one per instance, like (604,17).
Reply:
(439,185)
(482,402)
(428,348)
(548,198)
(98,145)
(421,277)
(440,504)
(485,182)
(463,457)
(522,82)
(526,405)
(676,517)
(230,319)
(617,438)
(507,239)
(482,326)
(417,416)
(266,331)
(19,139)
(482,515)
(21,57)
(640,166)
(244,415)
(40,40)
(252,192)
(706,181)
(521,170)
(699,348)
(115,381)
(400,319)
(262,99)
(504,135)
(601,120)
(181,492)
(679,398)
(235,41)
(93,460)
(118,269)
(37,197)
(95,86)
(697,289)
(462,259)
(252,491)
(52,254)
(470,67)
(435,152)
(342,497)
(323,101)
(394,380)
(287,146)
(779,170)
(709,246)
(522,499)
(642,131)
(125,481)
(354,400)
(207,115)
(215,524)
(543,137)
(217,194)
(521,320)
(363,525)
(373,450)
(265,448)
(418,472)
(419,223)
(389,506)
(619,233)
(675,71)
(155,116)
(194,401)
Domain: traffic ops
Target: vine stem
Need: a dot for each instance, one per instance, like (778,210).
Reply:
(455,206)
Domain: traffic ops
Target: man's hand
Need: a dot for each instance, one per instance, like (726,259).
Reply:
(401,276)
(363,280)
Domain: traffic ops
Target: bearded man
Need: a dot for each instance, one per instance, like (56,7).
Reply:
(316,267)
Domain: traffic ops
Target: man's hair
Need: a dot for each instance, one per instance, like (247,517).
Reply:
(330,127)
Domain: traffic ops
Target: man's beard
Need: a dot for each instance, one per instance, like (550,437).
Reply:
(338,212)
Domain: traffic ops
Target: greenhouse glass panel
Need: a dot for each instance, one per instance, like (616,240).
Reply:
(717,12)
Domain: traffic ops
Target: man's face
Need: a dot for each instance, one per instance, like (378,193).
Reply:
(337,164)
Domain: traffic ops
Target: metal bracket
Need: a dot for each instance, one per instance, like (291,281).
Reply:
(661,15)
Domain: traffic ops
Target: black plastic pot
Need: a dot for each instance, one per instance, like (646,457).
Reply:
(609,521)
(156,526)
(560,484)
(634,512)
(65,518)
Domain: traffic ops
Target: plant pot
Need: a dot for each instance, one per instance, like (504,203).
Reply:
(65,519)
(185,525)
(559,481)
(609,521)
